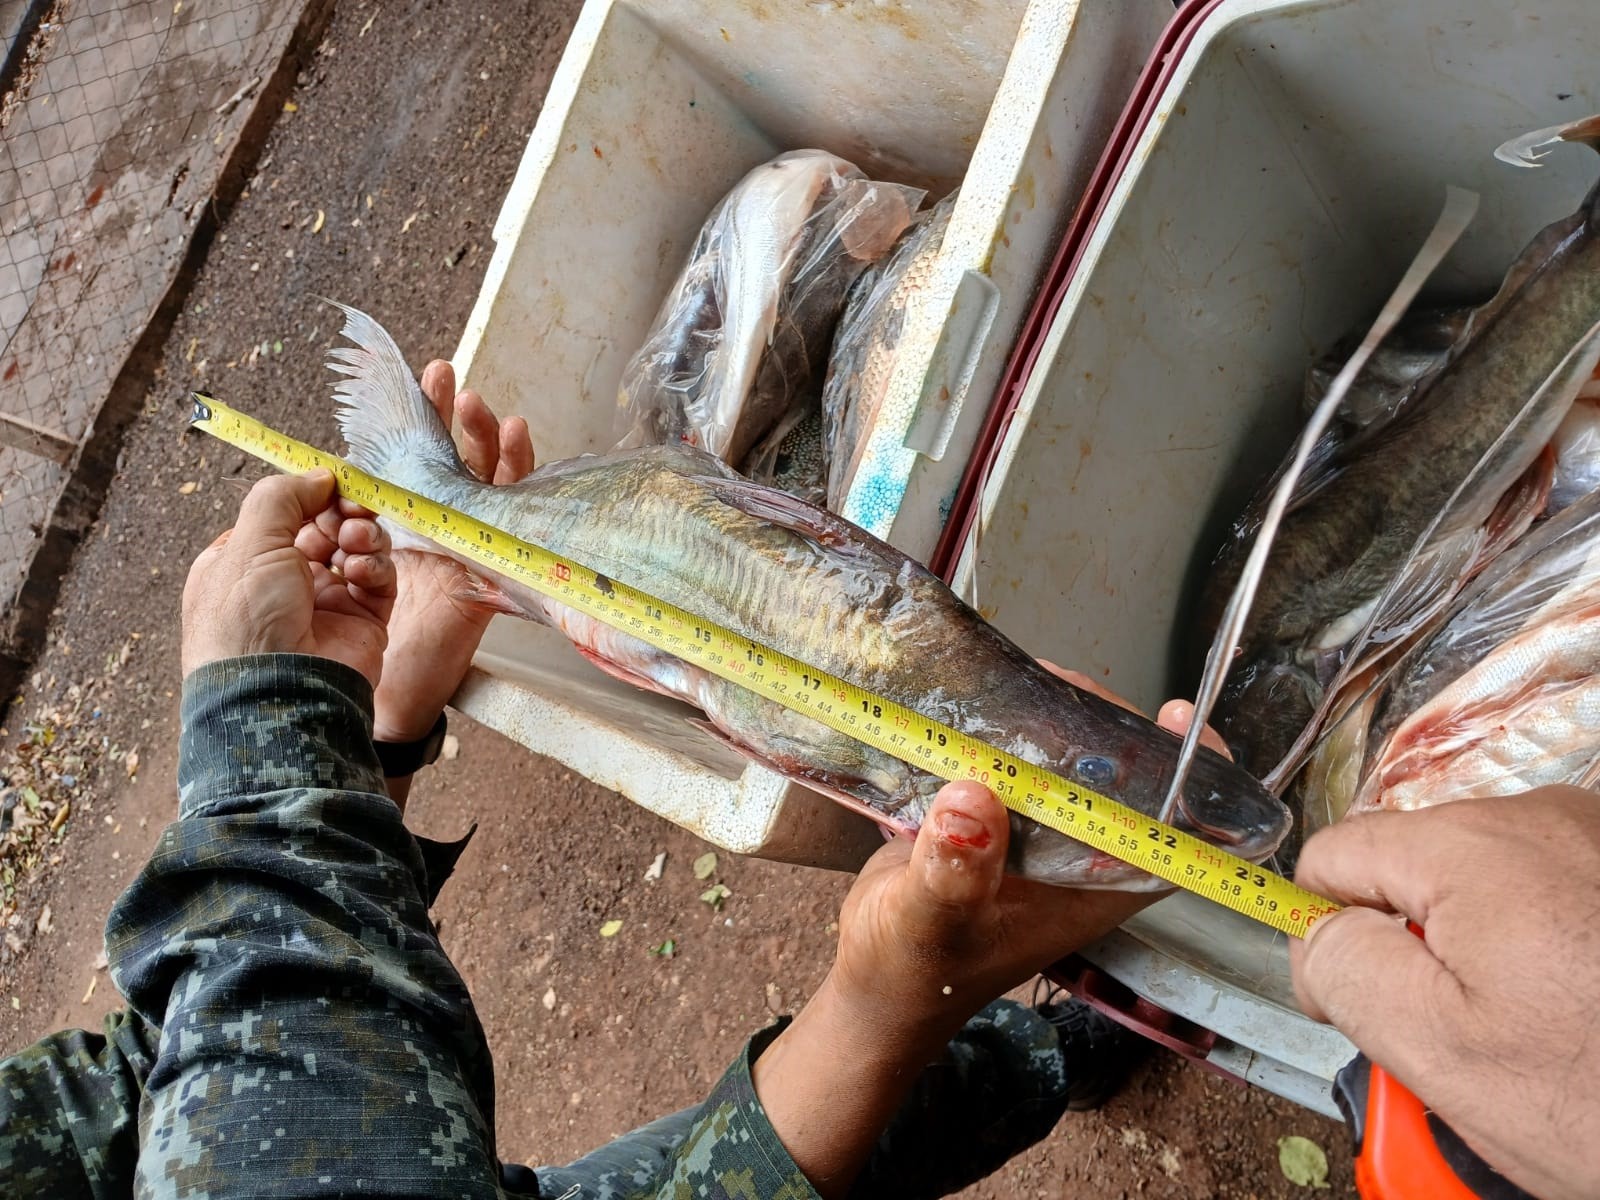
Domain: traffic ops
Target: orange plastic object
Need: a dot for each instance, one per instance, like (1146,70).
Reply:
(1403,1152)
(1400,1157)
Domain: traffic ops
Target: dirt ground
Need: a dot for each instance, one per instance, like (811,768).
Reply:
(425,106)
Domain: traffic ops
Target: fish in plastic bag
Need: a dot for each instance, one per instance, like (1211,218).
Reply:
(741,340)
(1391,536)
(1502,698)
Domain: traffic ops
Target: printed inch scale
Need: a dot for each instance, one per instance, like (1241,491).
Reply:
(1069,808)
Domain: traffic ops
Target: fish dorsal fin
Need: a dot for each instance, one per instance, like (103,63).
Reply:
(1459,209)
(817,525)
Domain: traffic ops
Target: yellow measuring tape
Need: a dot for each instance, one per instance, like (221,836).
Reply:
(1069,808)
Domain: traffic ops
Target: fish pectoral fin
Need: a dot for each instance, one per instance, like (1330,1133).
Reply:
(625,675)
(809,777)
(473,589)
(791,513)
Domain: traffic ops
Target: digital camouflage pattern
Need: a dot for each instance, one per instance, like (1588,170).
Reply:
(295,1028)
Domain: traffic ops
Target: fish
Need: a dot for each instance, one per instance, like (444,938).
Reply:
(1506,695)
(742,337)
(867,343)
(1420,346)
(1387,540)
(1403,364)
(678,523)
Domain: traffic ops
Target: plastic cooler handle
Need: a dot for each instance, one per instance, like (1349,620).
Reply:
(1403,1150)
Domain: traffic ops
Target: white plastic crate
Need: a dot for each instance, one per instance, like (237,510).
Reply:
(1286,176)
(656,110)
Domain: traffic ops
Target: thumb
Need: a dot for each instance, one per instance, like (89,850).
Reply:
(957,865)
(1360,968)
(275,509)
(1365,973)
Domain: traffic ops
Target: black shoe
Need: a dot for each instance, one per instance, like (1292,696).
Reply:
(1099,1053)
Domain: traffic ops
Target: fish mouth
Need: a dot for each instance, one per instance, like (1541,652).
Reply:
(1255,828)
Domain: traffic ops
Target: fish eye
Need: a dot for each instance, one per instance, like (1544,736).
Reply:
(1094,770)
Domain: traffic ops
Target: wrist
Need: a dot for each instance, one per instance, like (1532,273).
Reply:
(833,1079)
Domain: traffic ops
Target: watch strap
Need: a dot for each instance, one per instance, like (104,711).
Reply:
(399,759)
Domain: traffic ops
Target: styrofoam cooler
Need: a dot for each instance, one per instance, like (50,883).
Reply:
(656,110)
(1289,162)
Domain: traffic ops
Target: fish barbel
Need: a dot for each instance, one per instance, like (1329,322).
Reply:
(1435,473)
(678,524)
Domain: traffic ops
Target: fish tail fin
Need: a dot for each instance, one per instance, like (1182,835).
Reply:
(383,414)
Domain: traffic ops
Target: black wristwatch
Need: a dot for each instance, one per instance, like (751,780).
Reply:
(400,759)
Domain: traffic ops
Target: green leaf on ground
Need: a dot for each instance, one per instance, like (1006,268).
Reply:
(1302,1161)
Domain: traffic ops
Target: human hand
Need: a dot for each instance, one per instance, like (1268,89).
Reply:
(435,631)
(302,572)
(1488,1021)
(931,932)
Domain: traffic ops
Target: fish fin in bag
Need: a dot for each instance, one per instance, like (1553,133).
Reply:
(382,413)
(1518,509)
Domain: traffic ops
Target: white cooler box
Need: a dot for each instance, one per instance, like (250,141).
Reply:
(1265,203)
(656,110)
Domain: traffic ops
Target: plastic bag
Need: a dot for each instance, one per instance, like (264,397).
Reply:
(1503,697)
(1577,452)
(790,457)
(741,339)
(867,343)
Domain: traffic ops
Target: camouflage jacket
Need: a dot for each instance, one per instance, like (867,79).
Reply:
(294,1027)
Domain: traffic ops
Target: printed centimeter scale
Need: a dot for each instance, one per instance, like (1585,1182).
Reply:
(1101,822)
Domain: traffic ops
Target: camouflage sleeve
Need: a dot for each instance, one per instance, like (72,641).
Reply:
(69,1107)
(297,1030)
(315,1039)
(1001,1086)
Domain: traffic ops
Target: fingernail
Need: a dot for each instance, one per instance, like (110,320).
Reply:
(960,829)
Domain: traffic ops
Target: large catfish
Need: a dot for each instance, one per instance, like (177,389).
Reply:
(675,522)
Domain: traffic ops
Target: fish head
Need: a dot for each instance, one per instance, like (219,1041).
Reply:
(1131,760)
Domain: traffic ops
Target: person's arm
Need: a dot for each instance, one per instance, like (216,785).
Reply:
(315,1040)
(1490,1020)
(315,1037)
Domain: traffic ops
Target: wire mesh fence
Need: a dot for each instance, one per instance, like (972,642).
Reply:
(117,124)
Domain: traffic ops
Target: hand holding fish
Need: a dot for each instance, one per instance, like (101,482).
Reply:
(1489,1021)
(302,572)
(933,930)
(434,632)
